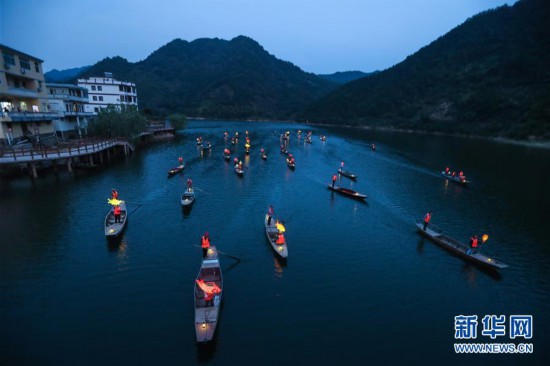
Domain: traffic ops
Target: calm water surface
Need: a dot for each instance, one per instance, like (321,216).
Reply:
(360,285)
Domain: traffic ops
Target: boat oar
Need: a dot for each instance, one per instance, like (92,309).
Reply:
(222,253)
(135,209)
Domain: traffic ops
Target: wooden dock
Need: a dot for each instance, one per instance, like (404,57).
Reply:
(82,150)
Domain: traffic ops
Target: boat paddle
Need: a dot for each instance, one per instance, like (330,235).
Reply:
(222,253)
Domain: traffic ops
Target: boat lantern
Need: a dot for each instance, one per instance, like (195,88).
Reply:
(280,227)
(484,238)
(203,325)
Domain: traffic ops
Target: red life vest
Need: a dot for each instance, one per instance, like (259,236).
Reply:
(334,178)
(428,217)
(117,210)
(205,242)
(280,239)
(473,242)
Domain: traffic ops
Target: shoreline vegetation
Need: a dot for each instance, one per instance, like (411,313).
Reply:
(538,144)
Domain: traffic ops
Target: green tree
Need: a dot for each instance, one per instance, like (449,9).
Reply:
(112,122)
(178,121)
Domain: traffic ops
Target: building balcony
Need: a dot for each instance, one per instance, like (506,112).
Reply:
(28,116)
(23,93)
(77,114)
(67,97)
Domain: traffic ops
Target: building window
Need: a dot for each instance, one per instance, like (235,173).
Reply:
(120,88)
(94,98)
(101,98)
(36,67)
(93,87)
(99,87)
(9,59)
(25,64)
(52,91)
(135,100)
(96,109)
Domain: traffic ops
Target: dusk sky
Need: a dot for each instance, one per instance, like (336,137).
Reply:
(320,36)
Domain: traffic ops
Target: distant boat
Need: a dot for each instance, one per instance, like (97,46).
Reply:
(175,170)
(308,139)
(240,172)
(114,229)
(272,234)
(188,198)
(263,156)
(199,141)
(291,164)
(347,174)
(284,151)
(434,233)
(463,182)
(322,138)
(206,147)
(347,192)
(209,277)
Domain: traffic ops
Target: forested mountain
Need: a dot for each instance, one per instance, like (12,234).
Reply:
(217,78)
(55,76)
(342,77)
(489,76)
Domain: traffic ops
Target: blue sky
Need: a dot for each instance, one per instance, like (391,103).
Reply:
(320,36)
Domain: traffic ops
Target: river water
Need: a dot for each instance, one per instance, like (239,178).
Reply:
(360,284)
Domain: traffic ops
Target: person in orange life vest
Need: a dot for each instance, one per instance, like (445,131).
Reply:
(116,211)
(427,219)
(280,239)
(473,245)
(189,184)
(180,159)
(114,194)
(205,244)
(334,177)
(270,213)
(208,298)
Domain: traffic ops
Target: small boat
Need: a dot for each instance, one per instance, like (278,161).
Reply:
(347,192)
(308,139)
(240,172)
(188,198)
(263,156)
(347,174)
(233,141)
(291,164)
(199,141)
(284,151)
(434,233)
(209,278)
(206,147)
(456,179)
(175,170)
(247,149)
(272,234)
(322,138)
(86,166)
(112,228)
(227,157)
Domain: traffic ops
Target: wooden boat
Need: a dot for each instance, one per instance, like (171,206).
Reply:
(188,198)
(291,164)
(175,170)
(434,233)
(322,138)
(240,172)
(264,156)
(347,192)
(272,233)
(347,174)
(227,157)
(206,317)
(456,179)
(308,139)
(199,141)
(206,147)
(284,151)
(114,229)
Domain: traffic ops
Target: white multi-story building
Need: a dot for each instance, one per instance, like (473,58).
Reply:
(69,102)
(105,91)
(24,114)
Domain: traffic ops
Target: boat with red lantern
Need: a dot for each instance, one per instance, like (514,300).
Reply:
(274,232)
(208,296)
(461,249)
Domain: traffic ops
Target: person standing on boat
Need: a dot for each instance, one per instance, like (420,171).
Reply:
(334,177)
(270,213)
(447,171)
(205,244)
(427,219)
(342,166)
(373,147)
(116,211)
(189,184)
(473,245)
(180,159)
(114,194)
